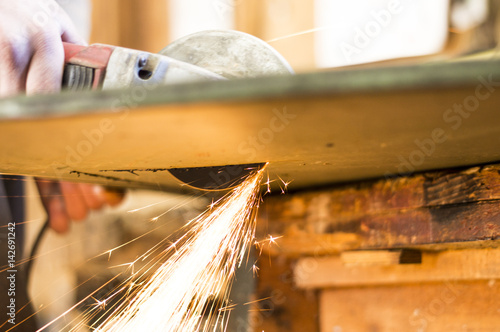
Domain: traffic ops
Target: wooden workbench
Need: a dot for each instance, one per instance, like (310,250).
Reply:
(370,243)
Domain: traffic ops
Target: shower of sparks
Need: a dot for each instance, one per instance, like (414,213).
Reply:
(192,278)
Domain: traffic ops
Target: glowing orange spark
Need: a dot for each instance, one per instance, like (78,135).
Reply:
(212,205)
(285,185)
(257,301)
(299,34)
(100,304)
(130,266)
(268,183)
(255,270)
(150,205)
(272,239)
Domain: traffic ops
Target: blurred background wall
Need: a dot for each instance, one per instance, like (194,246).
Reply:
(310,34)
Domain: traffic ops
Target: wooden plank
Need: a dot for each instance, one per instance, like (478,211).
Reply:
(426,209)
(448,306)
(279,305)
(469,264)
(380,257)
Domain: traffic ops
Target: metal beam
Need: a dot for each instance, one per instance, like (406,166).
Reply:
(315,129)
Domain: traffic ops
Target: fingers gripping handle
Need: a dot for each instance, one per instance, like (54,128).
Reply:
(85,67)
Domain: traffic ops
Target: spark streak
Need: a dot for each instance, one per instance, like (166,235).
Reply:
(299,34)
(196,270)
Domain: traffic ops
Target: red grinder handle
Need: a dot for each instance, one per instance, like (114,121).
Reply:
(85,66)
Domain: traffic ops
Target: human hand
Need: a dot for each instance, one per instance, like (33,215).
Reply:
(32,33)
(31,49)
(65,201)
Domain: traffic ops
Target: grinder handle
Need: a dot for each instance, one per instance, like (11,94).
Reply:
(85,66)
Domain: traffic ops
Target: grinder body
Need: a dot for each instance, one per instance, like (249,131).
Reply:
(110,67)
(203,56)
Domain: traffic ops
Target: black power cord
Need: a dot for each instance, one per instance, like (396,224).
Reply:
(34,249)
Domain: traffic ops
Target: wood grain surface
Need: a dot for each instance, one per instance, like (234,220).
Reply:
(431,210)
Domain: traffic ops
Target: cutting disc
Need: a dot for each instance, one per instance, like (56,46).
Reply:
(233,55)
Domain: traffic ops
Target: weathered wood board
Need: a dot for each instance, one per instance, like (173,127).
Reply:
(449,265)
(431,211)
(279,305)
(315,129)
(448,306)
(452,290)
